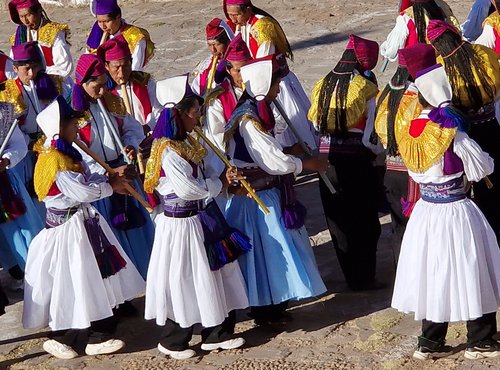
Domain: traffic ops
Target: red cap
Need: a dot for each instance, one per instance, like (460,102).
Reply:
(114,49)
(436,28)
(237,51)
(418,57)
(15,5)
(366,51)
(214,28)
(89,65)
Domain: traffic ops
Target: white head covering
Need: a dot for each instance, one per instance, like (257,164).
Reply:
(434,86)
(171,91)
(49,121)
(257,77)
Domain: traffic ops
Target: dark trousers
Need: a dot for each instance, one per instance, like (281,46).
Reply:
(478,330)
(487,135)
(272,312)
(99,331)
(396,184)
(352,217)
(176,338)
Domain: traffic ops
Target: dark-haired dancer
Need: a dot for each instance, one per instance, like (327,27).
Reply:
(474,75)
(109,21)
(76,272)
(35,25)
(219,35)
(281,266)
(264,36)
(449,267)
(411,25)
(343,106)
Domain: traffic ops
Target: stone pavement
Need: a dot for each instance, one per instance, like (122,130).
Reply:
(340,330)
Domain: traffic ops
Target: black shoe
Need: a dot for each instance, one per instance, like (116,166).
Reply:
(127,309)
(486,349)
(425,353)
(373,285)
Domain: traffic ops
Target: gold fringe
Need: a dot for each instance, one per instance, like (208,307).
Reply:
(9,93)
(134,35)
(266,29)
(360,92)
(49,163)
(409,109)
(189,149)
(115,104)
(48,32)
(422,152)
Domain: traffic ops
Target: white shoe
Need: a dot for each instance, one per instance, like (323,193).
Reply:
(177,355)
(59,350)
(228,344)
(104,348)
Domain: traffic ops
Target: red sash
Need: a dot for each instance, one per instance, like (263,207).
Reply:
(47,53)
(497,41)
(254,45)
(142,93)
(228,99)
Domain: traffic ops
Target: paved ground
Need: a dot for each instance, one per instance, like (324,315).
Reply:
(340,330)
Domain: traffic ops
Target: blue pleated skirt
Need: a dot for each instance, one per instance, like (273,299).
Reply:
(16,235)
(281,265)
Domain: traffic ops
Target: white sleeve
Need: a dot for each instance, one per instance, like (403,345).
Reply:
(61,54)
(133,133)
(179,173)
(75,186)
(138,56)
(487,37)
(265,49)
(376,148)
(266,152)
(396,39)
(195,85)
(16,148)
(477,164)
(216,122)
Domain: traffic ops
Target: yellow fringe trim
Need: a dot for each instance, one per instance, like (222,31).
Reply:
(422,152)
(266,29)
(49,163)
(115,104)
(360,92)
(189,149)
(9,93)
(409,109)
(47,33)
(134,35)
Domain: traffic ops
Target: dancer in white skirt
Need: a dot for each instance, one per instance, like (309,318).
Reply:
(181,288)
(76,271)
(449,266)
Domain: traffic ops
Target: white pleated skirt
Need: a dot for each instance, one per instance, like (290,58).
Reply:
(63,284)
(449,266)
(180,285)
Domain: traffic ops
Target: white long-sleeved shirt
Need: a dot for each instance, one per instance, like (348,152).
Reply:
(180,179)
(102,141)
(77,188)
(61,55)
(265,151)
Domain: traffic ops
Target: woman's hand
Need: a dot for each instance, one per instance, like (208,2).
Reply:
(317,164)
(119,183)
